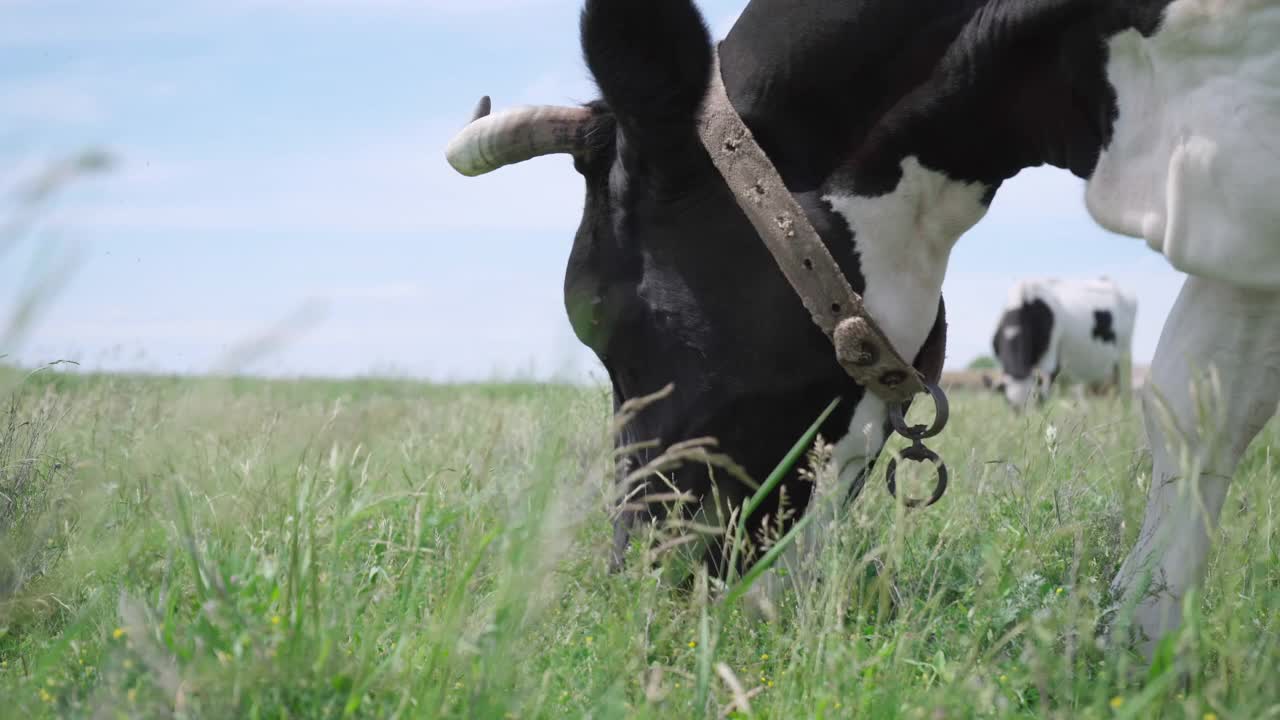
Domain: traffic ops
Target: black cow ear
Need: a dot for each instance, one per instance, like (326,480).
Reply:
(652,62)
(987,382)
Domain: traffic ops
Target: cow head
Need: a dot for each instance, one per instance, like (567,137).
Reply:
(667,281)
(1023,347)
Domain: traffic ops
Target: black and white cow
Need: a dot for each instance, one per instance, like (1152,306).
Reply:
(893,123)
(1081,329)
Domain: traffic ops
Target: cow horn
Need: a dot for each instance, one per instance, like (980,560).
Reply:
(512,136)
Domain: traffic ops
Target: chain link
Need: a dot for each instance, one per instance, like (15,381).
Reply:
(918,452)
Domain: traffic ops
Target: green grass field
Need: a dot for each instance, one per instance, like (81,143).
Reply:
(249,549)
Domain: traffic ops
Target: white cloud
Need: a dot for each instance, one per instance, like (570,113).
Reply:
(554,88)
(43,103)
(720,27)
(383,182)
(1040,194)
(402,327)
(49,23)
(456,7)
(380,293)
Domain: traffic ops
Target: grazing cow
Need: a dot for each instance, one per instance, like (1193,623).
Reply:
(893,123)
(1081,329)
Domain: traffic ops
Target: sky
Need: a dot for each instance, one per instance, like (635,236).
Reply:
(280,204)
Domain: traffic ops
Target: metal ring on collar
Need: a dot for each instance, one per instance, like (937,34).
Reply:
(942,414)
(921,454)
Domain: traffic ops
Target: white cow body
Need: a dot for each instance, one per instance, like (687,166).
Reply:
(1194,169)
(1078,347)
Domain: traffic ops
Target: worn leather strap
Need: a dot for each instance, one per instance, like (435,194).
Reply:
(862,349)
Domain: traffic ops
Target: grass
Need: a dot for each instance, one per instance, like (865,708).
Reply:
(233,548)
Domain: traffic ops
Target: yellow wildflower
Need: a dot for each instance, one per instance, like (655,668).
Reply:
(275,619)
(693,644)
(764,656)
(1116,702)
(118,633)
(590,639)
(45,696)
(1210,716)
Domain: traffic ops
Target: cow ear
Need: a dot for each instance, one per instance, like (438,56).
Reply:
(987,382)
(652,62)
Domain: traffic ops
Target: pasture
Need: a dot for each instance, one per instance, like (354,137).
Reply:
(240,548)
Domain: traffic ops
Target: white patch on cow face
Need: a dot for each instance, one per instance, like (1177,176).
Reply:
(1011,332)
(1194,161)
(904,239)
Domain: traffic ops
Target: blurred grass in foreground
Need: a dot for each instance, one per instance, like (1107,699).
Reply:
(235,548)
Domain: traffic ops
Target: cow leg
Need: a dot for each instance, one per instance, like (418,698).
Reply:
(852,457)
(1237,333)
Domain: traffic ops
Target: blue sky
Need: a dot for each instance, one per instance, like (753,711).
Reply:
(281,204)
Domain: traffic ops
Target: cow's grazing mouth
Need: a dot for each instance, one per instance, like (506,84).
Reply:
(893,123)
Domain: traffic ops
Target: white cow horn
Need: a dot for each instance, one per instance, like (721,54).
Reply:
(512,136)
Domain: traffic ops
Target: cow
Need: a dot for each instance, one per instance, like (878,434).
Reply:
(893,124)
(1082,329)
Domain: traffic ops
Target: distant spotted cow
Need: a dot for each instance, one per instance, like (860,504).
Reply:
(1080,329)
